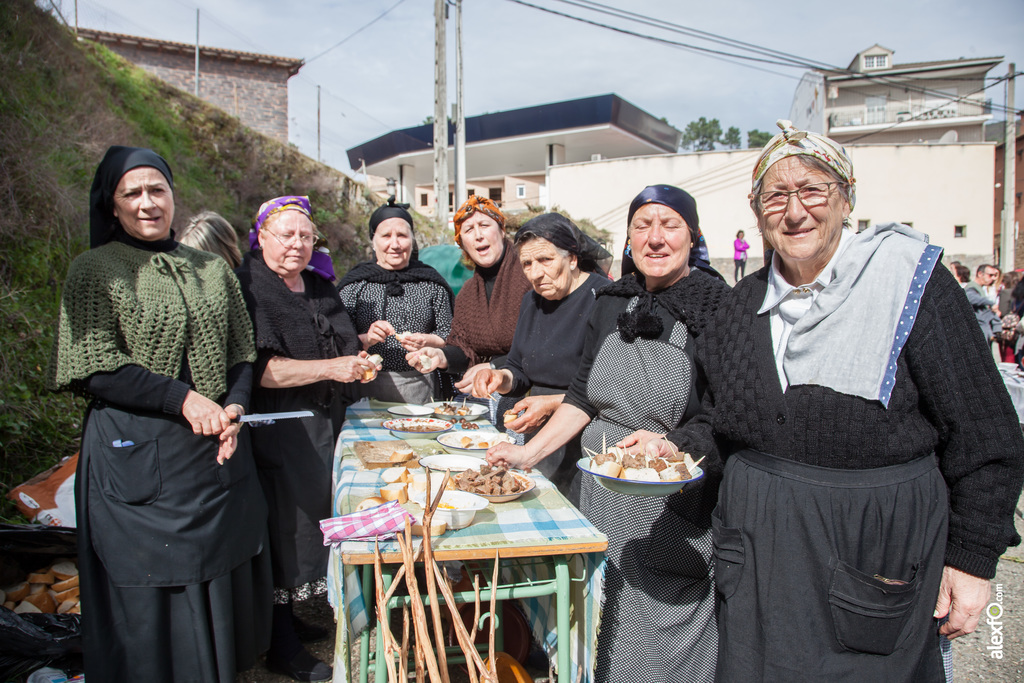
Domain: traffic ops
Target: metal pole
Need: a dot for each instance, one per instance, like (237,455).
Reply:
(76,18)
(1007,246)
(197,52)
(460,114)
(318,123)
(440,117)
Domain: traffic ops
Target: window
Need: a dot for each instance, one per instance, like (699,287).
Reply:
(423,198)
(863,225)
(959,231)
(876,61)
(520,191)
(471,192)
(875,106)
(494,194)
(451,201)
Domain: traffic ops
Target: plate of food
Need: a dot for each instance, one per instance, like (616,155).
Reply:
(636,474)
(496,484)
(416,427)
(411,410)
(454,410)
(455,463)
(476,443)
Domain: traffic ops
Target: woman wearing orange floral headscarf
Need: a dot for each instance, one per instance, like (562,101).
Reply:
(487,307)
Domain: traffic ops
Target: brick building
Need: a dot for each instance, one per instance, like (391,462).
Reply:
(250,86)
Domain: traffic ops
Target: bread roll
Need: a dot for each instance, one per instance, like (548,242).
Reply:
(44,601)
(64,569)
(10,604)
(372,372)
(402,454)
(18,591)
(395,474)
(66,584)
(609,469)
(368,503)
(640,474)
(395,491)
(46,577)
(65,607)
(436,528)
(670,474)
(26,606)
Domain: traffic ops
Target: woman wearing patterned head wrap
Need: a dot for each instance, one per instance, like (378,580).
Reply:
(487,306)
(635,381)
(872,457)
(398,304)
(306,348)
(175,580)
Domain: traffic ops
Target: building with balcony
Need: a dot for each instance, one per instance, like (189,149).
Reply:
(509,153)
(876,101)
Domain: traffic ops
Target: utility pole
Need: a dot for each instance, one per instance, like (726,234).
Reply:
(460,113)
(76,18)
(318,123)
(1007,243)
(440,116)
(197,52)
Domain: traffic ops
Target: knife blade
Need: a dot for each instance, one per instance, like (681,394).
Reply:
(270,417)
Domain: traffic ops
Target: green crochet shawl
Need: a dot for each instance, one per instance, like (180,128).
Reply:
(126,306)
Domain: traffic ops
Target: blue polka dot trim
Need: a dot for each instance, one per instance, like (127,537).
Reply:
(925,266)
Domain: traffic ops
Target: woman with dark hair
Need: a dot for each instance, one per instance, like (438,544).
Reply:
(398,304)
(872,456)
(635,381)
(562,264)
(306,349)
(487,306)
(175,579)
(739,257)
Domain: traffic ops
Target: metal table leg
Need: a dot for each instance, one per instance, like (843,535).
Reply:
(562,599)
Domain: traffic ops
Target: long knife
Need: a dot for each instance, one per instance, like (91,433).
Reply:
(271,417)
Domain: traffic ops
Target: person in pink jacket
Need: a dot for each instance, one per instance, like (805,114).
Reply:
(740,257)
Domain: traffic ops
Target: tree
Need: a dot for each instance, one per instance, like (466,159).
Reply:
(701,135)
(731,139)
(757,138)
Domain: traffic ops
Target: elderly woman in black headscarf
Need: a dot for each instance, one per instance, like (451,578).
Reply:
(636,380)
(398,304)
(175,579)
(562,264)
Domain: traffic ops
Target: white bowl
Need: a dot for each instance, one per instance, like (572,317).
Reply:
(452,441)
(462,511)
(455,463)
(473,411)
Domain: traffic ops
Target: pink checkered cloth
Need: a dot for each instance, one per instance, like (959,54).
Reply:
(381,522)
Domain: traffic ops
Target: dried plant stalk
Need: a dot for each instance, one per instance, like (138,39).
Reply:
(465,641)
(491,622)
(420,626)
(383,615)
(476,606)
(428,561)
(403,662)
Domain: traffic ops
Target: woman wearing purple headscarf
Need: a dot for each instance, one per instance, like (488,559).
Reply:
(637,380)
(306,348)
(175,580)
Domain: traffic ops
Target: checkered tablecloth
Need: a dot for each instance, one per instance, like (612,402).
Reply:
(540,517)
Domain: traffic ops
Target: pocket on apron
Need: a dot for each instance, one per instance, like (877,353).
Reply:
(131,474)
(869,613)
(729,556)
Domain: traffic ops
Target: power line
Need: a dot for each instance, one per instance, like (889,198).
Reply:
(356,32)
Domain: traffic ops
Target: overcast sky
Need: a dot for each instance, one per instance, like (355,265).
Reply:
(381,77)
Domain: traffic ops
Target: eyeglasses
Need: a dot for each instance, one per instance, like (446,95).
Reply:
(289,239)
(809,195)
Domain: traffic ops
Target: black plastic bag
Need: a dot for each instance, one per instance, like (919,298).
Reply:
(30,641)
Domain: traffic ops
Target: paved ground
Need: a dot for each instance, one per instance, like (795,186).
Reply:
(973,658)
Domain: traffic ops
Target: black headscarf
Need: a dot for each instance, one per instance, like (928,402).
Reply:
(116,162)
(563,233)
(389,210)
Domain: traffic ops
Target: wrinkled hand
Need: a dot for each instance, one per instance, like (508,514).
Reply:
(435,357)
(538,410)
(349,368)
(205,416)
(963,597)
(378,331)
(413,341)
(641,439)
(465,385)
(229,437)
(506,455)
(657,447)
(488,381)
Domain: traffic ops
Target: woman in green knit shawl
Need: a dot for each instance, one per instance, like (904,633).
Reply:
(175,580)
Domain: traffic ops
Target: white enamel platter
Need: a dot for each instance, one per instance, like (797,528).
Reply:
(474,411)
(416,427)
(455,463)
(637,488)
(452,441)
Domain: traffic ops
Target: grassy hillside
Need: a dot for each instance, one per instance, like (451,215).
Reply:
(62,103)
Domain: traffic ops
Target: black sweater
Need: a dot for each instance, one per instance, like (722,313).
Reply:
(948,400)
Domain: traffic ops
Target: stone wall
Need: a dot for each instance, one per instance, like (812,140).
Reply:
(256,93)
